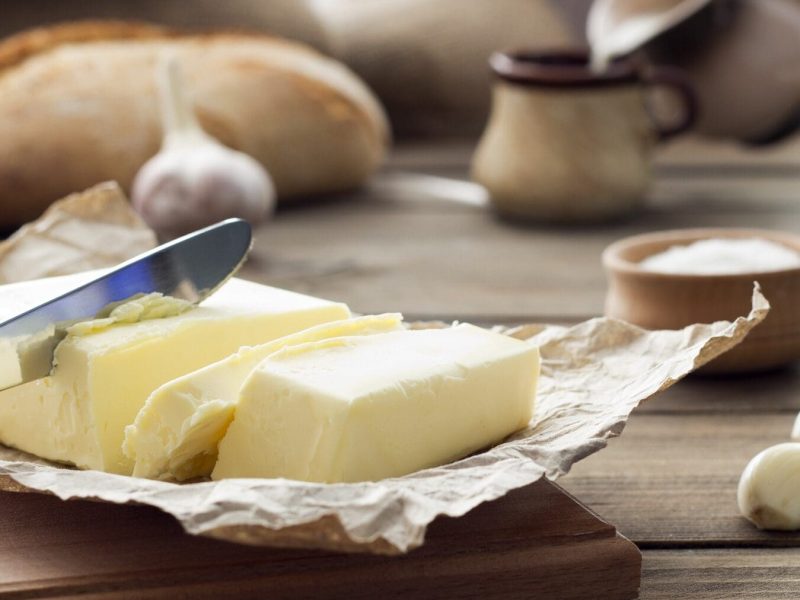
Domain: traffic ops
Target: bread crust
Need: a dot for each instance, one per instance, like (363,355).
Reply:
(78,105)
(17,48)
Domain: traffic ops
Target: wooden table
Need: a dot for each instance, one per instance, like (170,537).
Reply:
(669,482)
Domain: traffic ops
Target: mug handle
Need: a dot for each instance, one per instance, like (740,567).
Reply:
(675,79)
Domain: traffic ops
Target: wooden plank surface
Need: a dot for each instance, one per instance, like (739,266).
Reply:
(718,574)
(458,264)
(49,547)
(778,391)
(670,480)
(396,248)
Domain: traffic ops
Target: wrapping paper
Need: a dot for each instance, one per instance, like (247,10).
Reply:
(593,375)
(89,230)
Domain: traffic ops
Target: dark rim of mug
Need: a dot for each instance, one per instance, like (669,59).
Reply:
(559,68)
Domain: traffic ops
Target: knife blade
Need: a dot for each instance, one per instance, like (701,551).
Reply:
(190,268)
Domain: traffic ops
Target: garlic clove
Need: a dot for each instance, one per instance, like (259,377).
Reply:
(194,180)
(769,489)
(184,188)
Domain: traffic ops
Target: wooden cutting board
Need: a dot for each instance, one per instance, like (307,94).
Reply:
(537,542)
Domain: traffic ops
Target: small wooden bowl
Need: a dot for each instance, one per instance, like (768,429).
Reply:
(672,301)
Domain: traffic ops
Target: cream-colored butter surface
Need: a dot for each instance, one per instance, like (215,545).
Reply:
(16,298)
(176,434)
(35,353)
(103,376)
(371,407)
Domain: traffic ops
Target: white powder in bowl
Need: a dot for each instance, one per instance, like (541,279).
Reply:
(723,257)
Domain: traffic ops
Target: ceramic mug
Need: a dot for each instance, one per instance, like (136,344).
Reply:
(566,144)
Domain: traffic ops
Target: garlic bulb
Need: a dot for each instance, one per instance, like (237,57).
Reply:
(194,180)
(769,490)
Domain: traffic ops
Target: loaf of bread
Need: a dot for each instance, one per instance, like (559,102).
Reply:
(78,106)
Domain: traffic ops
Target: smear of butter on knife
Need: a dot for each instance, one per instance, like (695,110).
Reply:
(134,310)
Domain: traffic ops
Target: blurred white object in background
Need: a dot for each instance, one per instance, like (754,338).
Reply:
(421,187)
(742,56)
(721,256)
(619,28)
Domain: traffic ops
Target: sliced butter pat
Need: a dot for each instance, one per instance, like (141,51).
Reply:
(102,378)
(176,434)
(365,408)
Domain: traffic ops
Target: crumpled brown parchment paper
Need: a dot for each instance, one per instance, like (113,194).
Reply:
(593,375)
(88,230)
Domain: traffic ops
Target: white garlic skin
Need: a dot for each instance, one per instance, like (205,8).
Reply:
(188,185)
(194,180)
(769,489)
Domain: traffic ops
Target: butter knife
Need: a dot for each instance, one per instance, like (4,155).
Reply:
(190,268)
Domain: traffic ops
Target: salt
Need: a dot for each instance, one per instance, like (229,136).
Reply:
(723,257)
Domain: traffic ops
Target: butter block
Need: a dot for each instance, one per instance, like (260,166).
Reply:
(16,298)
(177,431)
(104,372)
(366,408)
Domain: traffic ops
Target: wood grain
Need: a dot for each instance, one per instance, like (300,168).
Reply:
(454,265)
(535,542)
(401,249)
(765,574)
(670,480)
(772,392)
